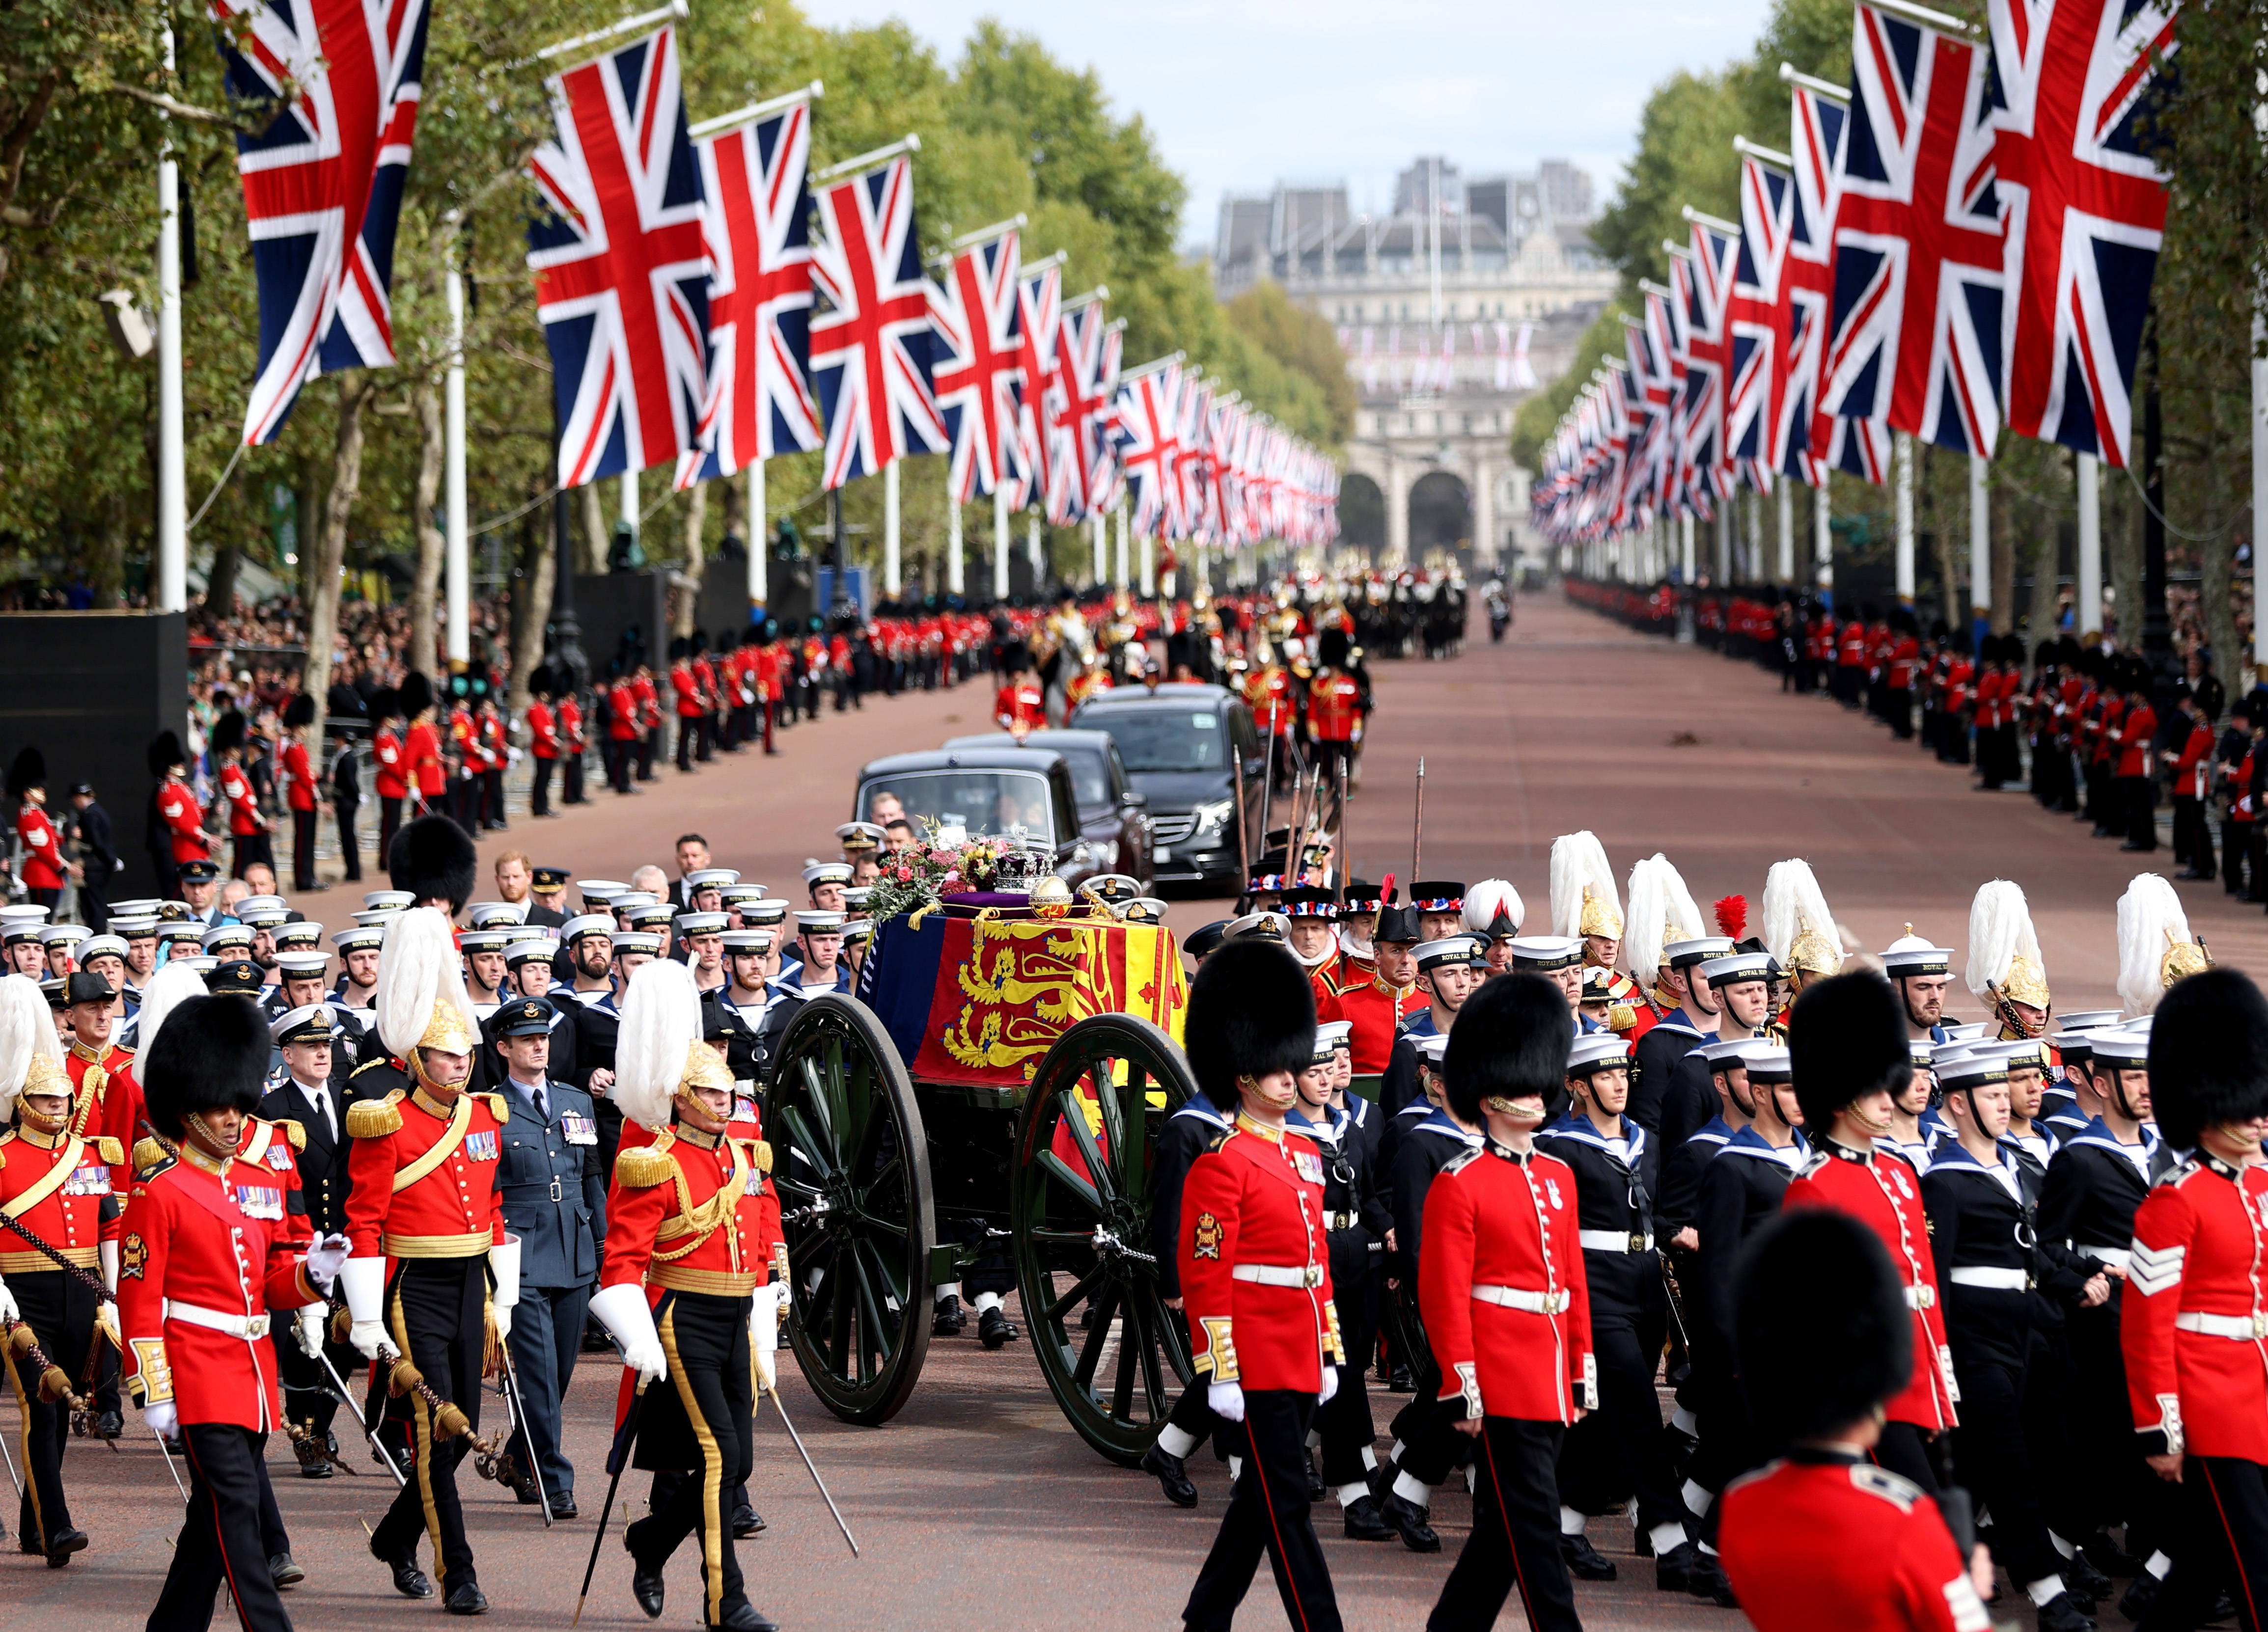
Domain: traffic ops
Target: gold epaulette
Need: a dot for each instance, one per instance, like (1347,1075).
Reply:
(294,1131)
(760,1152)
(374,1119)
(372,1065)
(109,1150)
(498,1107)
(148,1153)
(644,1167)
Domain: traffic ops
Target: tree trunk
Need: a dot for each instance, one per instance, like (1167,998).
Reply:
(685,597)
(735,490)
(594,530)
(329,554)
(107,574)
(531,599)
(2122,542)
(2003,543)
(2047,554)
(220,582)
(427,645)
(2232,656)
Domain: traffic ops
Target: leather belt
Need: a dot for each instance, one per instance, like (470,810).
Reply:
(1521,1297)
(1994,1279)
(251,1328)
(1921,1297)
(2246,1328)
(1616,1240)
(2119,1255)
(472,1244)
(1280,1275)
(1342,1220)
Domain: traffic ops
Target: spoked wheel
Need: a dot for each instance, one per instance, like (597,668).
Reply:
(851,1165)
(1085,1151)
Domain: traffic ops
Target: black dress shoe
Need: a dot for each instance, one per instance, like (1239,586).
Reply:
(65,1543)
(109,1425)
(995,1328)
(742,1617)
(1314,1483)
(646,1587)
(1172,1475)
(316,1470)
(2140,1598)
(2085,1580)
(747,1522)
(409,1580)
(1408,1521)
(1364,1523)
(950,1319)
(1585,1562)
(1685,1567)
(562,1505)
(2108,1557)
(285,1571)
(1402,1382)
(466,1598)
(2063,1613)
(2131,845)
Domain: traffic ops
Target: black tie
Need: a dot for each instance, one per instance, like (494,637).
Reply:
(542,1114)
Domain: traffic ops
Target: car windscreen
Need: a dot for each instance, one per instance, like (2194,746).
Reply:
(984,803)
(1165,739)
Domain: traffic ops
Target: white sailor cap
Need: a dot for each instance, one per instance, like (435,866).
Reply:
(1266,926)
(261,903)
(1465,949)
(1922,1053)
(181,929)
(140,927)
(1542,953)
(637,941)
(299,932)
(226,935)
(377,918)
(1141,909)
(101,946)
(740,895)
(630,900)
(860,835)
(25,913)
(1724,1053)
(2018,1054)
(533,948)
(701,923)
(599,892)
(360,938)
(820,922)
(2123,1047)
(712,877)
(487,940)
(748,943)
(64,934)
(2088,1019)
(488,915)
(1698,949)
(1335,1032)
(1910,956)
(588,923)
(1735,968)
(310,1022)
(1967,1031)
(763,915)
(140,907)
(857,896)
(304,965)
(857,930)
(1970,1067)
(203,963)
(1596,1051)
(827,872)
(388,900)
(1768,1062)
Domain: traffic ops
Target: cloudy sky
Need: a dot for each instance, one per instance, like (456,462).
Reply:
(1246,92)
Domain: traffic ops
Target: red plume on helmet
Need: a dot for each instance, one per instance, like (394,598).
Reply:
(1732,914)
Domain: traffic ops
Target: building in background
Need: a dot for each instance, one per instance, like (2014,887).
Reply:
(1451,310)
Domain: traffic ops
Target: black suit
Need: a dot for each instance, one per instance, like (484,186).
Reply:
(550,916)
(100,856)
(309,1395)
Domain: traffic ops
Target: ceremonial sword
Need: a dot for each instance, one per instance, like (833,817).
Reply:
(774,1392)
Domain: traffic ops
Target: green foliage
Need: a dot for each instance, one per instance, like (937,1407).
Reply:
(1532,427)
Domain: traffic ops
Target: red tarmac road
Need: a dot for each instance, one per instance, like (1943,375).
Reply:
(978,1507)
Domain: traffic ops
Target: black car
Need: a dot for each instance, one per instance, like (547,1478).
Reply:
(1113,813)
(986,792)
(1185,747)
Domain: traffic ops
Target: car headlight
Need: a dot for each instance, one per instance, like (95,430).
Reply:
(1214,817)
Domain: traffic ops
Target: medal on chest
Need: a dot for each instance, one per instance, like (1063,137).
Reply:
(481,1147)
(1308,1166)
(279,1157)
(579,1128)
(88,1178)
(1551,1189)
(260,1200)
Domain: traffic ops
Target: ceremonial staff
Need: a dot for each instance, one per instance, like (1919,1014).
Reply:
(628,1439)
(1417,841)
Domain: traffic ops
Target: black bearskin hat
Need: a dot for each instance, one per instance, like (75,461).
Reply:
(1511,1040)
(433,859)
(228,731)
(30,770)
(211,1055)
(165,752)
(1846,1036)
(416,696)
(540,682)
(386,705)
(1252,1011)
(299,711)
(2208,1054)
(1820,1325)
(1331,648)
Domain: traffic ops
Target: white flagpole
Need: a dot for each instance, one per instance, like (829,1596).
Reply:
(1786,495)
(760,539)
(631,501)
(2087,607)
(172,562)
(1120,578)
(2260,490)
(1102,551)
(1822,533)
(1980,537)
(1149,565)
(457,560)
(890,579)
(1903,456)
(1000,538)
(1685,544)
(1034,552)
(955,571)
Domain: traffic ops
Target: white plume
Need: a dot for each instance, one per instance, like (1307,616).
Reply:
(1661,910)
(27,1027)
(661,1021)
(2150,921)
(1999,933)
(1578,859)
(418,967)
(1485,899)
(173,985)
(1793,903)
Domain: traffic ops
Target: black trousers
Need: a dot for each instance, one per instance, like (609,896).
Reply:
(1898,709)
(706,1341)
(1516,1535)
(1619,1450)
(1905,1451)
(350,844)
(92,911)
(1991,1456)
(2224,1503)
(492,798)
(621,762)
(310,1397)
(221,1538)
(2192,839)
(689,732)
(60,1311)
(1426,1427)
(433,1312)
(2119,1486)
(2235,838)
(389,823)
(572,786)
(538,792)
(250,847)
(1345,1423)
(1268,1513)
(303,849)
(648,745)
(2136,812)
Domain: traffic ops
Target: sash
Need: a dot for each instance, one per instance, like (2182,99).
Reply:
(442,1149)
(47,1183)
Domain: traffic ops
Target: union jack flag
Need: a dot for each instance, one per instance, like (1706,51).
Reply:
(1039,308)
(871,344)
(2085,208)
(1200,501)
(621,268)
(1107,484)
(1078,413)
(1149,447)
(322,183)
(1753,404)
(756,221)
(977,369)
(1665,394)
(1919,253)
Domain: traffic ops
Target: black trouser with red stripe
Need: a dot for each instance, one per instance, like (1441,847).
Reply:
(1268,1512)
(1516,1535)
(2224,1545)
(220,1539)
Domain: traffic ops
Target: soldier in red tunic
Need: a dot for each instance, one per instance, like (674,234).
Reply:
(1506,1305)
(543,740)
(1826,1536)
(45,867)
(2196,1295)
(301,792)
(1848,1050)
(1256,1278)
(1020,706)
(393,770)
(208,1258)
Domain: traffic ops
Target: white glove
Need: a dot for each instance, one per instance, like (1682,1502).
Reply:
(107,1254)
(161,1417)
(363,1280)
(1226,1400)
(309,1329)
(8,1310)
(763,1334)
(325,1259)
(622,1309)
(504,1265)
(1330,1386)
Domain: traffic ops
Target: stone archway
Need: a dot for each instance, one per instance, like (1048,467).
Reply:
(1362,512)
(1440,513)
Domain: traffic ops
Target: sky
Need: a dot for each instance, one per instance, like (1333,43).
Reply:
(1242,94)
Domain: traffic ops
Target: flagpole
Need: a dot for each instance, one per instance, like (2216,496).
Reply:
(760,539)
(1120,578)
(2260,488)
(677,8)
(629,514)
(1149,565)
(1034,552)
(910,143)
(1000,538)
(1980,540)
(172,556)
(755,111)
(1102,551)
(1902,454)
(955,570)
(456,561)
(890,579)
(1823,532)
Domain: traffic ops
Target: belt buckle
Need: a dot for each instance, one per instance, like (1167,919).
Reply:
(255,1326)
(1313,1276)
(555,1192)
(1555,1303)
(1637,1241)
(2259,1326)
(1925,1297)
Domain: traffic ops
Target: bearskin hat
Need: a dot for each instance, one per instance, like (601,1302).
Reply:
(299,711)
(433,859)
(1845,1037)
(228,731)
(416,696)
(164,752)
(2208,1054)
(30,770)
(1332,647)
(1819,1324)
(211,1055)
(1511,1040)
(1252,1011)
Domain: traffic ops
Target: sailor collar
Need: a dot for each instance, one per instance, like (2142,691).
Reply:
(1198,1110)
(1582,1129)
(1953,1154)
